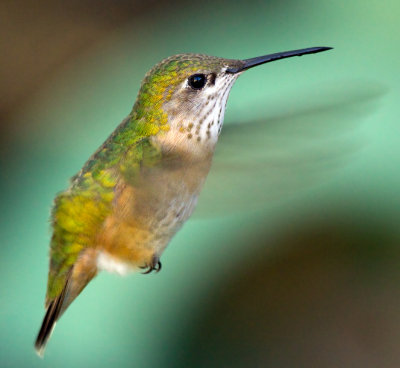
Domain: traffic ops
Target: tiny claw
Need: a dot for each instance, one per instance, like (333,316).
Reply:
(154,266)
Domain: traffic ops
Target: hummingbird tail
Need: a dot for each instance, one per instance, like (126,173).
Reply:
(53,312)
(78,276)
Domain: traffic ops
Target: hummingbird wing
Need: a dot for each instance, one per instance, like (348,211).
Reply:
(79,214)
(262,160)
(80,211)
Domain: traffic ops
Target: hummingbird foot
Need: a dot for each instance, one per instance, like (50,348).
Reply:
(154,266)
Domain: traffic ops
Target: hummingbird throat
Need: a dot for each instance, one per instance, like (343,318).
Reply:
(197,121)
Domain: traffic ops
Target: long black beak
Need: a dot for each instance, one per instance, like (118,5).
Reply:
(249,63)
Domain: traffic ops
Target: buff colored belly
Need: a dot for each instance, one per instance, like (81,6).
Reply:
(145,218)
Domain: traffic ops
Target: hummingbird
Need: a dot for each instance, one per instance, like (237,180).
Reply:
(134,193)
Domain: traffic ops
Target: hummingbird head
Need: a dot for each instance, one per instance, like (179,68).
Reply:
(184,97)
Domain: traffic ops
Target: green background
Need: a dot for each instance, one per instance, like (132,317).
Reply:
(292,258)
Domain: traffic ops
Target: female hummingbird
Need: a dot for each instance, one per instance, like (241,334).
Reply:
(135,192)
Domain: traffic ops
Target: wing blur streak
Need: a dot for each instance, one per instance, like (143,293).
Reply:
(271,158)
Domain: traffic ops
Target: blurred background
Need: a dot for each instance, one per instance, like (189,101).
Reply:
(292,258)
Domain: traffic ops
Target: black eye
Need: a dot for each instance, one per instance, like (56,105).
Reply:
(197,81)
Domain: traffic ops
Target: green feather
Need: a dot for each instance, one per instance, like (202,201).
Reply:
(80,211)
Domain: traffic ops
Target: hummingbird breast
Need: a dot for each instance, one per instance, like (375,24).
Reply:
(148,212)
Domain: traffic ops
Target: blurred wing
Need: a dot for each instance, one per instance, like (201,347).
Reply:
(268,159)
(79,212)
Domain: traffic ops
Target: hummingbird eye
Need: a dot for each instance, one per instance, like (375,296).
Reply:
(197,81)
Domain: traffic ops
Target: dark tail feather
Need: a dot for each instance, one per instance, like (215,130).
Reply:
(49,321)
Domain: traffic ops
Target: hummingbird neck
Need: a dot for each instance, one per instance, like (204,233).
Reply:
(195,128)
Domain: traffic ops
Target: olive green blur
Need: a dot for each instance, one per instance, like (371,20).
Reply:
(292,258)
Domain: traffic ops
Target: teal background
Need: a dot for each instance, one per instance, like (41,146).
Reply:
(292,258)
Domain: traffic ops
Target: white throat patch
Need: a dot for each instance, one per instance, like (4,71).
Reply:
(196,118)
